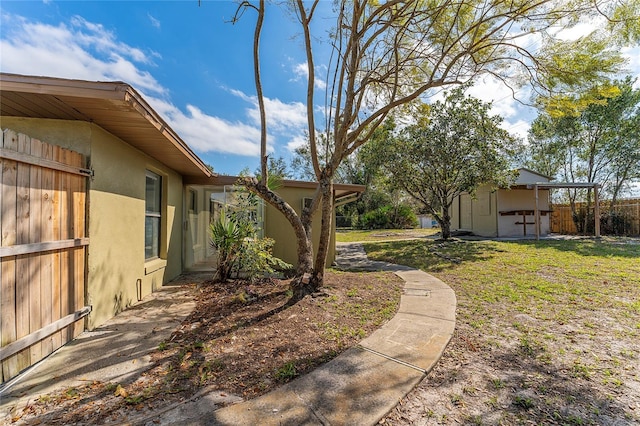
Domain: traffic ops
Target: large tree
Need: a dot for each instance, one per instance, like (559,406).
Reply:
(386,54)
(454,147)
(599,143)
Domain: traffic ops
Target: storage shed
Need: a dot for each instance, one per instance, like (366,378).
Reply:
(508,212)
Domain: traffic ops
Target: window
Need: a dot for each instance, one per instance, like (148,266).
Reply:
(153,216)
(193,201)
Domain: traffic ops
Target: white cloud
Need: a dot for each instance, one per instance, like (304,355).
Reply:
(154,21)
(518,128)
(207,133)
(281,116)
(81,50)
(633,64)
(490,89)
(85,50)
(296,142)
(582,29)
(301,72)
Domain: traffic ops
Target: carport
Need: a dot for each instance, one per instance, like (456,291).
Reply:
(568,185)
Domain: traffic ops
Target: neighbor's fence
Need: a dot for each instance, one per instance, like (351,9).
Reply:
(623,219)
(42,251)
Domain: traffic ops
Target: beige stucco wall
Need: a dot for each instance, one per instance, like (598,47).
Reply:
(279,228)
(484,213)
(521,199)
(116,269)
(479,211)
(489,223)
(275,226)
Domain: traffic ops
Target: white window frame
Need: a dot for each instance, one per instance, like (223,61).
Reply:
(156,216)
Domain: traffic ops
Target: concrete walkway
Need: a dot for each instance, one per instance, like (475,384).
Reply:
(363,384)
(360,386)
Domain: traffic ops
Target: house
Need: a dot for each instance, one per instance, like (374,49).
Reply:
(509,212)
(218,192)
(102,203)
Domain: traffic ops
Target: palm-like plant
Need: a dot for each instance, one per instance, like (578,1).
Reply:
(226,237)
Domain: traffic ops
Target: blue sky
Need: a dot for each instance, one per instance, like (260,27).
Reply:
(193,66)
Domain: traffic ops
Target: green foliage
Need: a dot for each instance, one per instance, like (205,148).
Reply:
(256,258)
(239,249)
(389,217)
(227,237)
(598,142)
(287,372)
(455,147)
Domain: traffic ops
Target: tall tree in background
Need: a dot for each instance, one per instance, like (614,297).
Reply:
(387,54)
(599,143)
(362,167)
(455,147)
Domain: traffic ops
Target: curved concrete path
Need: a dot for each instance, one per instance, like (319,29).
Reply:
(358,387)
(363,384)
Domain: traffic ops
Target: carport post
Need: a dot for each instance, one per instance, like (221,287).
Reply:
(536,212)
(596,210)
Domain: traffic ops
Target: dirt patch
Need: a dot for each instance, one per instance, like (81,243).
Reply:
(241,339)
(530,371)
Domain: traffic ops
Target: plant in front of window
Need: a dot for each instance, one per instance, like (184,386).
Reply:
(234,236)
(226,237)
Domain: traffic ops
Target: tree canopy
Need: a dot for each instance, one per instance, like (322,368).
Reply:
(387,54)
(599,144)
(454,147)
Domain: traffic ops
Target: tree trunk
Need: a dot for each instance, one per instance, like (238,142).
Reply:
(326,189)
(446,224)
(302,231)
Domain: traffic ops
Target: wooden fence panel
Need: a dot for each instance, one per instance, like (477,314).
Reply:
(8,220)
(43,250)
(562,220)
(46,260)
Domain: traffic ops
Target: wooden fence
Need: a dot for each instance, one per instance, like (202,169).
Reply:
(626,217)
(43,197)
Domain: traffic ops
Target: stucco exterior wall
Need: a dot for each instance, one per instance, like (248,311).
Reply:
(277,227)
(117,274)
(521,199)
(73,135)
(483,208)
(476,214)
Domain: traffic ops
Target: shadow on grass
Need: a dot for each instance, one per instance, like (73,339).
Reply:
(431,255)
(607,247)
(520,386)
(543,393)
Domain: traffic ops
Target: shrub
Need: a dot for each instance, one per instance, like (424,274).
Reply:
(234,236)
(389,217)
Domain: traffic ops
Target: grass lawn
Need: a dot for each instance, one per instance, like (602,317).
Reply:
(550,329)
(350,236)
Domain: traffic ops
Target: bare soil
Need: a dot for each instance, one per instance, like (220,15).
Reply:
(242,339)
(521,370)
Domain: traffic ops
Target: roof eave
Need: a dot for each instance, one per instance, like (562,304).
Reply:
(65,90)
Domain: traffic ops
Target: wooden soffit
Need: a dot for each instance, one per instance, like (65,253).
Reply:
(115,106)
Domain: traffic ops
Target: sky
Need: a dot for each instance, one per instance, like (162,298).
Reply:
(194,67)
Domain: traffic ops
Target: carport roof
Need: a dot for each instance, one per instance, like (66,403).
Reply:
(340,190)
(115,106)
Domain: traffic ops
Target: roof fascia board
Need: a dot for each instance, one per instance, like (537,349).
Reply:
(133,98)
(61,87)
(549,185)
(101,90)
